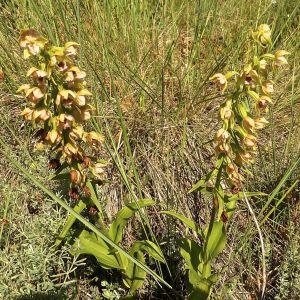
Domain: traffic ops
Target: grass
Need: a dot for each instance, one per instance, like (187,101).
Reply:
(148,64)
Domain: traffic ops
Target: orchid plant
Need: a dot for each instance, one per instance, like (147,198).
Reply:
(247,94)
(57,105)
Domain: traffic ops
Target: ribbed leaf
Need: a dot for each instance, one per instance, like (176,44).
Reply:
(189,223)
(191,252)
(87,243)
(147,246)
(216,240)
(134,275)
(117,226)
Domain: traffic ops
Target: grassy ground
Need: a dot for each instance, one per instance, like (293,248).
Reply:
(148,64)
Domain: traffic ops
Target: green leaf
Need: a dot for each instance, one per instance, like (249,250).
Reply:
(134,275)
(189,223)
(253,95)
(205,269)
(70,221)
(191,252)
(201,185)
(61,176)
(87,243)
(117,226)
(152,249)
(200,286)
(216,241)
(220,197)
(96,201)
(240,195)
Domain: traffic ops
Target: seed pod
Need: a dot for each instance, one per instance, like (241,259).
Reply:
(52,136)
(220,80)
(221,135)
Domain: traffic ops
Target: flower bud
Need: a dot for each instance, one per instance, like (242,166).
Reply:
(98,170)
(70,149)
(77,132)
(222,148)
(34,94)
(27,114)
(32,42)
(65,121)
(263,35)
(262,64)
(249,141)
(70,49)
(221,135)
(41,115)
(80,99)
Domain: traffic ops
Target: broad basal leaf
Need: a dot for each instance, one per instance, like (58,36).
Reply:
(200,286)
(116,228)
(191,252)
(134,275)
(147,246)
(216,240)
(87,243)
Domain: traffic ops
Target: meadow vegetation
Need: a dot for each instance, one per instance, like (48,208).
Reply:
(149,69)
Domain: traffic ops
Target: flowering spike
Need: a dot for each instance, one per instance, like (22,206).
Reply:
(58,101)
